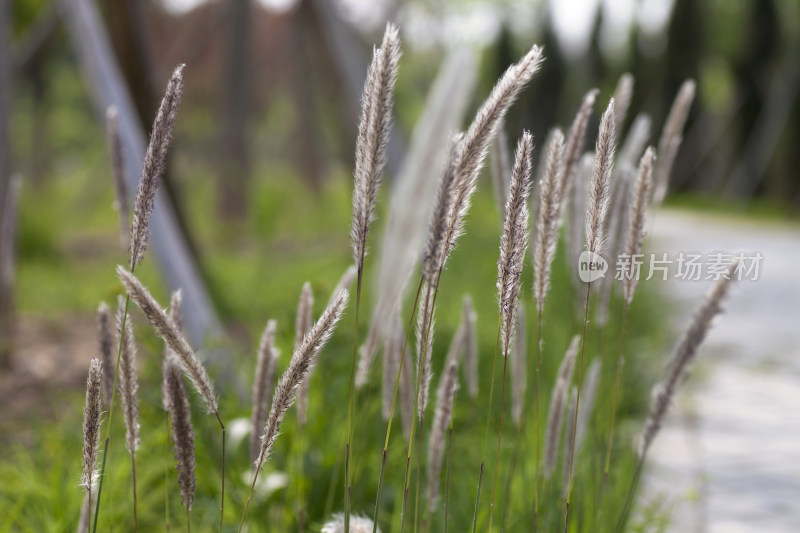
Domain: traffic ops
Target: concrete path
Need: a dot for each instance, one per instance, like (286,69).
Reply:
(728,460)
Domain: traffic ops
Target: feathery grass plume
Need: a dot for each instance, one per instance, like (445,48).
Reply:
(635,142)
(392,352)
(519,367)
(414,191)
(155,161)
(671,139)
(540,169)
(616,226)
(176,403)
(500,169)
(636,220)
(127,381)
(576,214)
(470,318)
(373,138)
(459,180)
(117,172)
(264,380)
(425,329)
(588,396)
(358,524)
(622,96)
(683,356)
(302,326)
(171,335)
(105,342)
(598,188)
(572,408)
(573,148)
(549,220)
(303,359)
(448,384)
(514,239)
(558,401)
(91,423)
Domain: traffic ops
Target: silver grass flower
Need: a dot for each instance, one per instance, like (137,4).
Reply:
(570,437)
(635,142)
(683,356)
(302,325)
(176,403)
(617,225)
(500,167)
(425,330)
(153,167)
(519,367)
(558,401)
(106,346)
(266,365)
(549,220)
(671,138)
(414,191)
(448,384)
(358,524)
(598,189)
(622,96)
(459,180)
(514,239)
(117,173)
(172,336)
(636,220)
(373,137)
(470,318)
(573,148)
(303,359)
(127,380)
(91,423)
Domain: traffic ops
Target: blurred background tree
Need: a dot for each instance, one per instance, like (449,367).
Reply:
(275,84)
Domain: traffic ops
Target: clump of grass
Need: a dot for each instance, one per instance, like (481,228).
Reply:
(457,184)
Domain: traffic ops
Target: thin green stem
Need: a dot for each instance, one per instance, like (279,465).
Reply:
(419,461)
(133,472)
(577,405)
(222,499)
(499,436)
(391,411)
(629,499)
(423,349)
(447,475)
(249,495)
(351,401)
(488,425)
(538,421)
(111,411)
(188,521)
(614,400)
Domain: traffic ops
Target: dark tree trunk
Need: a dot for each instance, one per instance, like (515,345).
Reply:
(233,174)
(6,263)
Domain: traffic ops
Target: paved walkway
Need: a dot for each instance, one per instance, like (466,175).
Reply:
(728,459)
